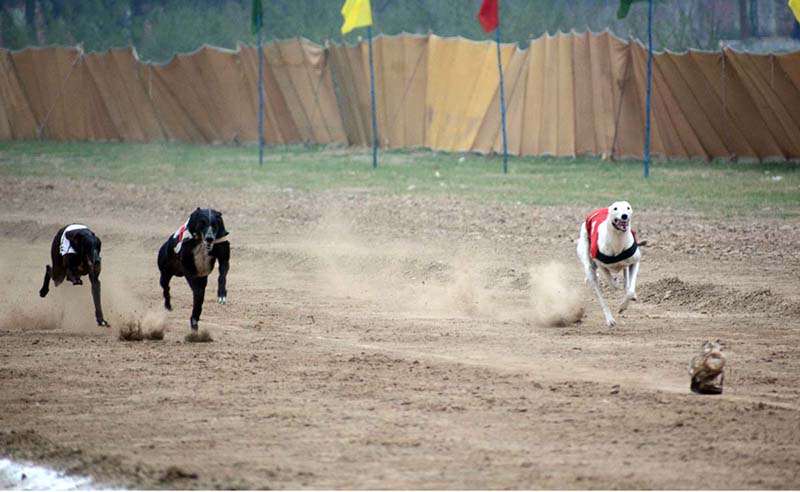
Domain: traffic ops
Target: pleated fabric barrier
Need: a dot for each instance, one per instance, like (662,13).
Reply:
(566,95)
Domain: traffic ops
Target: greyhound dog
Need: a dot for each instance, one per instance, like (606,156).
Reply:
(608,244)
(191,252)
(75,252)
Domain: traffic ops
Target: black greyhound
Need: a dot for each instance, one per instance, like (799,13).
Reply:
(76,252)
(192,252)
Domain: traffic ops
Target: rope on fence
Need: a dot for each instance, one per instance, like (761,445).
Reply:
(60,91)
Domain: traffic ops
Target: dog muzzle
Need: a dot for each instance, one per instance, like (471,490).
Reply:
(621,224)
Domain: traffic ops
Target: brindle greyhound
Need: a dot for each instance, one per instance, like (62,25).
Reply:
(191,252)
(76,252)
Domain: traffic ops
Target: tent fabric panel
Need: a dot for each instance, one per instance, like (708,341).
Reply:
(532,119)
(279,126)
(115,74)
(489,138)
(757,76)
(715,70)
(353,94)
(62,94)
(400,81)
(299,69)
(17,121)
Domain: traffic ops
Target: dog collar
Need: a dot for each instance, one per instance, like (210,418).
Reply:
(609,260)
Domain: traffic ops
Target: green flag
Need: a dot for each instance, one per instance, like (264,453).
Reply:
(625,7)
(257,15)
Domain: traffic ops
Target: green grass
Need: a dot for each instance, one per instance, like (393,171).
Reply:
(719,188)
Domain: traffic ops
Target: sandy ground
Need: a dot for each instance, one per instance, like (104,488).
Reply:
(397,342)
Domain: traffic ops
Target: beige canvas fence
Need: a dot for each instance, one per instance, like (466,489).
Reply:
(566,95)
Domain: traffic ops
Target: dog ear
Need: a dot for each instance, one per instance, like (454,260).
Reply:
(192,224)
(222,231)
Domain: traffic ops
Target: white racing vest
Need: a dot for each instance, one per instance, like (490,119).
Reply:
(182,234)
(66,248)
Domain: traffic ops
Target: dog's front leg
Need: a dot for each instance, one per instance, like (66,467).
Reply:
(589,269)
(46,285)
(98,309)
(631,271)
(224,256)
(610,321)
(198,285)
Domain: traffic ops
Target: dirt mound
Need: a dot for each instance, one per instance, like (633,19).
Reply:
(716,299)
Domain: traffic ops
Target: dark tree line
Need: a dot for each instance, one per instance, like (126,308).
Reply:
(160,28)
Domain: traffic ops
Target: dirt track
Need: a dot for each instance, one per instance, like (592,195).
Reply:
(398,342)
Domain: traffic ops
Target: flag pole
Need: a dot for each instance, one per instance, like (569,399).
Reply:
(260,94)
(372,96)
(649,87)
(502,102)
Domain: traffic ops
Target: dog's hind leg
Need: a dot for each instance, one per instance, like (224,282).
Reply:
(165,278)
(610,280)
(198,285)
(98,309)
(46,285)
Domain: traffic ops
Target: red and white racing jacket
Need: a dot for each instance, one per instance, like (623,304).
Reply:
(593,223)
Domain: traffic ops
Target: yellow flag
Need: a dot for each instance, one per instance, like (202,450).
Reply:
(795,6)
(357,13)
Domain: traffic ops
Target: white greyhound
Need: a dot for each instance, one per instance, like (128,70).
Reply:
(608,244)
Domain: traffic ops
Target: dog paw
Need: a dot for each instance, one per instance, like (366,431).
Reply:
(610,321)
(222,300)
(43,292)
(102,322)
(193,323)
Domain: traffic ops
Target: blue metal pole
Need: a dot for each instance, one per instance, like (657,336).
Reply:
(260,96)
(372,95)
(649,86)
(502,102)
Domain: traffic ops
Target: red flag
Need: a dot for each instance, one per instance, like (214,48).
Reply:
(488,16)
